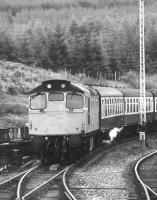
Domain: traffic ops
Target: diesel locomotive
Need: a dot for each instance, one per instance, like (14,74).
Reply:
(67,119)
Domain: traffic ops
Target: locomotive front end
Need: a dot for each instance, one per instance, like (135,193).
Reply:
(57,112)
(57,116)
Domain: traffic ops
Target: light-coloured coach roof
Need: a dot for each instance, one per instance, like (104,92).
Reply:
(129,92)
(108,91)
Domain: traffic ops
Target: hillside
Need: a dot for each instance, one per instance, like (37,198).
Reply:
(16,79)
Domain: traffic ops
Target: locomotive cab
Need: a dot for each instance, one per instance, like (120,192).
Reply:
(57,113)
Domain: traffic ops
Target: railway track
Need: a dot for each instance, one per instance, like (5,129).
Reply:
(76,188)
(42,183)
(146,173)
(8,187)
(67,189)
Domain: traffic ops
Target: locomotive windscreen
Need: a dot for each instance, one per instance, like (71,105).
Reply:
(38,102)
(74,101)
(57,96)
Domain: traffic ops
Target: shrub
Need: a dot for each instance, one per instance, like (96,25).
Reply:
(7,108)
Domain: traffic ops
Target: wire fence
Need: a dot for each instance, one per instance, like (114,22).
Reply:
(113,76)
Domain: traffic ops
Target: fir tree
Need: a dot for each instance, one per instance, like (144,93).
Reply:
(57,49)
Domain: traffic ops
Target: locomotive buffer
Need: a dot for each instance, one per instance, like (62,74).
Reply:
(142,75)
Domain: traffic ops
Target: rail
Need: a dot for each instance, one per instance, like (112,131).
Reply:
(21,181)
(67,192)
(27,195)
(145,187)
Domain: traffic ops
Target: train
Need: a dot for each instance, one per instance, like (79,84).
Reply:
(68,119)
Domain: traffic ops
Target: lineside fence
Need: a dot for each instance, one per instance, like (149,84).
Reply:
(111,76)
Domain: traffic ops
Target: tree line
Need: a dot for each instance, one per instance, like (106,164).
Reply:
(90,46)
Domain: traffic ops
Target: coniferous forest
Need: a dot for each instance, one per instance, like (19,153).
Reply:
(86,36)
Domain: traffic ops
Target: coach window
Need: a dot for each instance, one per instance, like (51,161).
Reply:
(151,104)
(105,107)
(130,106)
(113,106)
(116,106)
(122,107)
(127,104)
(109,107)
(147,104)
(134,107)
(56,97)
(38,102)
(74,101)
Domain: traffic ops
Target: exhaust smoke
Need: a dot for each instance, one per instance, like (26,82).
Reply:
(114,132)
(112,135)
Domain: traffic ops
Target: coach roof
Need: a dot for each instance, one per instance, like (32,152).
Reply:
(129,92)
(108,91)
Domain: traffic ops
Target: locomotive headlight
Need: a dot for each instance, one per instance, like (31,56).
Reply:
(49,86)
(62,85)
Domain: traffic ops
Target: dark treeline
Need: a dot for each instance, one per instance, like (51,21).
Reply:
(90,45)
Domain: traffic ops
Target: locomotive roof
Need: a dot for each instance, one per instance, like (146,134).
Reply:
(108,91)
(129,92)
(63,85)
